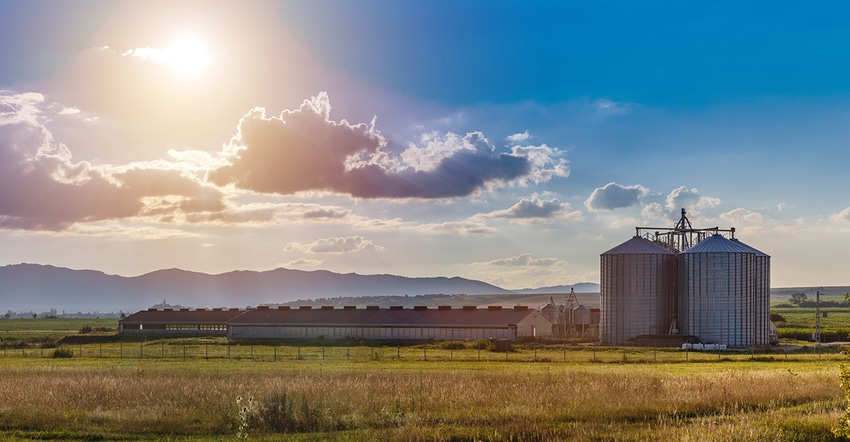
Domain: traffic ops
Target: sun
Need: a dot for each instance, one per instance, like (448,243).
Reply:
(188,55)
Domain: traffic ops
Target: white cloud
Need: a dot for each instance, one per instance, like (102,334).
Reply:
(842,216)
(614,196)
(517,138)
(334,245)
(524,260)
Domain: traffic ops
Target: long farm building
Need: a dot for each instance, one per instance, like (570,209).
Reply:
(418,323)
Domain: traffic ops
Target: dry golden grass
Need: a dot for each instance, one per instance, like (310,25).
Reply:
(90,399)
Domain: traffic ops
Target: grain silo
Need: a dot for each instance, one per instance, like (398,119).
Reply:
(637,291)
(717,292)
(761,321)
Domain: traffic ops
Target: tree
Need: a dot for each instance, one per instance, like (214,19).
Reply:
(798,298)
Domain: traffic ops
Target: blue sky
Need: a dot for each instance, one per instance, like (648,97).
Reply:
(502,141)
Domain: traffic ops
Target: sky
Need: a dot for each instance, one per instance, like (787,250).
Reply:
(508,142)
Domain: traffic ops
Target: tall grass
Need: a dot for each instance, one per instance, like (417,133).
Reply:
(365,400)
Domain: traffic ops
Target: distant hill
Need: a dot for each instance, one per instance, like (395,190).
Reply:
(25,287)
(582,287)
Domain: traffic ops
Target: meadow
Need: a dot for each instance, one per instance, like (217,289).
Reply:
(97,386)
(368,392)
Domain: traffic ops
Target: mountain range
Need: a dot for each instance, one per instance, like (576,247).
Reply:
(34,287)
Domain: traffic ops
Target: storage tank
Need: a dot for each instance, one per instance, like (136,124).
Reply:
(550,311)
(717,292)
(637,291)
(761,323)
(581,318)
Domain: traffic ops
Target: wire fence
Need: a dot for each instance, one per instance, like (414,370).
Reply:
(218,349)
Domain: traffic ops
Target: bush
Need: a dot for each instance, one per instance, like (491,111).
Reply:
(63,353)
(776,317)
(452,345)
(86,329)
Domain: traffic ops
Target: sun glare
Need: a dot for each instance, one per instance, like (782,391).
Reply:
(188,55)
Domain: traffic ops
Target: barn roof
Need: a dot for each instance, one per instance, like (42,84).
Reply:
(382,316)
(183,316)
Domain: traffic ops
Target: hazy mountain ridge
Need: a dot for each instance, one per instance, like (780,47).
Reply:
(41,287)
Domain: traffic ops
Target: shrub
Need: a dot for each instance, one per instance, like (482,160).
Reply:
(63,353)
(86,329)
(452,345)
(776,317)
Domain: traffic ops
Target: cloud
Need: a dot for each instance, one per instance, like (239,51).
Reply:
(533,208)
(461,227)
(302,262)
(304,150)
(680,198)
(843,216)
(614,196)
(42,188)
(334,245)
(743,217)
(516,138)
(525,260)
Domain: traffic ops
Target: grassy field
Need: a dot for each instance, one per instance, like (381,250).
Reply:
(149,388)
(150,399)
(800,322)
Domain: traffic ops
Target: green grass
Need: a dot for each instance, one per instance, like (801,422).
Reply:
(56,324)
(800,323)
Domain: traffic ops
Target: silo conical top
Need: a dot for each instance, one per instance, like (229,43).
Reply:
(638,246)
(719,244)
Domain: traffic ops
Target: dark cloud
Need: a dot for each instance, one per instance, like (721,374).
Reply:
(304,150)
(614,196)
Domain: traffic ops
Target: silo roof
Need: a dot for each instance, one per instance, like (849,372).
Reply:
(719,244)
(638,246)
(752,249)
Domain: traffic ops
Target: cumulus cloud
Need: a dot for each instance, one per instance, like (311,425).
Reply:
(843,216)
(614,196)
(680,198)
(517,138)
(304,150)
(42,188)
(533,208)
(741,216)
(334,245)
(525,260)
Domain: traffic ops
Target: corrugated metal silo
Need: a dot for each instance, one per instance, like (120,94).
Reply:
(717,292)
(637,291)
(761,322)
